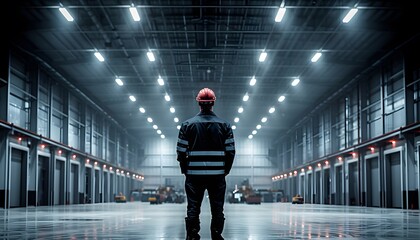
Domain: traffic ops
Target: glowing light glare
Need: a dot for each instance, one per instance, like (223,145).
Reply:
(142,110)
(96,163)
(149,119)
(250,136)
(59,151)
(262,57)
(159,132)
(178,127)
(350,15)
(254,132)
(110,168)
(240,110)
(258,126)
(74,156)
(162,136)
(326,162)
(99,56)
(236,119)
(272,109)
(172,109)
(302,170)
(316,57)
(132,98)
(280,14)
(151,56)
(135,14)
(253,81)
(295,82)
(66,14)
(160,81)
(19,139)
(340,159)
(245,98)
(264,119)
(43,146)
(310,167)
(88,160)
(281,98)
(155,127)
(104,166)
(372,149)
(176,119)
(167,97)
(233,127)
(119,82)
(319,164)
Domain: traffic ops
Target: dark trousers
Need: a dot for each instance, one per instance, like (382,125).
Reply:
(195,186)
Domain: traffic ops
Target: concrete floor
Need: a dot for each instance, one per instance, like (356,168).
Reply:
(140,220)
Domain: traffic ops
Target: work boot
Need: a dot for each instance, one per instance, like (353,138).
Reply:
(216,228)
(193,227)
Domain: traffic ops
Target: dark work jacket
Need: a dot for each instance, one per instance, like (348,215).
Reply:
(206,145)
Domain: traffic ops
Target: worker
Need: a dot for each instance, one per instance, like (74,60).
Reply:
(205,151)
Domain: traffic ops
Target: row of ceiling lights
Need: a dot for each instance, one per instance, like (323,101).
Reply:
(263,55)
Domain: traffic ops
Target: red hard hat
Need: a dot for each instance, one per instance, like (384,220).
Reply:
(206,95)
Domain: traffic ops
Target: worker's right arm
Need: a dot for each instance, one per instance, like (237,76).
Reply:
(229,150)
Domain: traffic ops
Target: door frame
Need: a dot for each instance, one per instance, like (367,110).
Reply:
(399,149)
(9,170)
(367,158)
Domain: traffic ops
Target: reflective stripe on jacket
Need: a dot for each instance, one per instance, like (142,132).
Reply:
(205,145)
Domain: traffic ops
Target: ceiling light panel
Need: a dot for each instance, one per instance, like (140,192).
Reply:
(135,14)
(66,14)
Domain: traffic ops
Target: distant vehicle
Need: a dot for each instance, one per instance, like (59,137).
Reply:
(297,199)
(155,199)
(120,198)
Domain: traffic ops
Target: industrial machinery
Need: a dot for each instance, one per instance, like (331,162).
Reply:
(244,194)
(297,199)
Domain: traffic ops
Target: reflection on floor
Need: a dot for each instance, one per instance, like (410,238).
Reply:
(140,220)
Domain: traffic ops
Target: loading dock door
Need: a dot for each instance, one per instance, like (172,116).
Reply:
(111,187)
(339,185)
(43,180)
(393,180)
(59,183)
(88,185)
(317,187)
(308,197)
(372,184)
(97,187)
(353,184)
(18,178)
(327,186)
(302,185)
(74,184)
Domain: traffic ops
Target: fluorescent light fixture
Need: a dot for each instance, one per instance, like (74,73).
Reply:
(149,119)
(176,119)
(240,110)
(253,81)
(233,127)
(246,97)
(162,136)
(178,127)
(258,126)
(66,14)
(250,136)
(135,14)
(155,126)
(254,132)
(142,110)
(350,15)
(159,132)
(119,82)
(160,81)
(263,56)
(280,14)
(236,119)
(272,109)
(99,56)
(151,56)
(264,119)
(167,97)
(281,98)
(316,57)
(295,82)
(172,109)
(132,98)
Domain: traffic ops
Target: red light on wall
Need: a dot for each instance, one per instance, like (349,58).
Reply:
(310,167)
(372,149)
(110,168)
(319,164)
(104,166)
(74,156)
(122,172)
(96,163)
(302,170)
(295,172)
(281,176)
(118,170)
(353,154)
(59,151)
(87,160)
(42,146)
(285,175)
(340,159)
(393,143)
(326,162)
(19,139)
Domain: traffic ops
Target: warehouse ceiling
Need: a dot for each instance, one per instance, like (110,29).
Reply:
(214,44)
